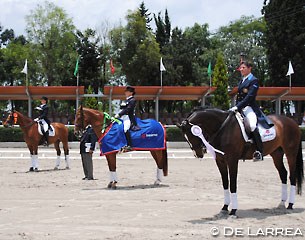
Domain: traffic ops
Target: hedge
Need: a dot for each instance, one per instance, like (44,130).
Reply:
(15,134)
(173,134)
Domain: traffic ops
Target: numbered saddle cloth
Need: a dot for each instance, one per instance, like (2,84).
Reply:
(151,136)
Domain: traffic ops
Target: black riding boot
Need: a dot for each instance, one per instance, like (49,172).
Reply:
(258,155)
(128,138)
(46,137)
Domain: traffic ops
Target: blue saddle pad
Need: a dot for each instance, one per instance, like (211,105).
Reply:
(151,136)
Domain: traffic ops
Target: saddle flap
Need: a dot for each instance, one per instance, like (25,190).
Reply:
(267,134)
(42,124)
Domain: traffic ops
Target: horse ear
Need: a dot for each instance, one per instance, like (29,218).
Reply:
(178,125)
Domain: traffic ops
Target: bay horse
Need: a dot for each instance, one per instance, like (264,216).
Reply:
(221,131)
(97,119)
(32,137)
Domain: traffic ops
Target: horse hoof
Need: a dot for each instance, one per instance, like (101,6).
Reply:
(112,185)
(31,169)
(56,168)
(290,206)
(36,170)
(157,182)
(67,168)
(233,216)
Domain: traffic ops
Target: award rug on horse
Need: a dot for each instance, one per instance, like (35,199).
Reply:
(151,136)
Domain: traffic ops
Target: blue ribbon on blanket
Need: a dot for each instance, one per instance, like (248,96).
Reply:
(151,136)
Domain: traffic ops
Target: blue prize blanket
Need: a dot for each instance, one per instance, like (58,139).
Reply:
(151,136)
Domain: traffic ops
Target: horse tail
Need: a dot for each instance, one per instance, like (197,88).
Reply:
(165,164)
(299,170)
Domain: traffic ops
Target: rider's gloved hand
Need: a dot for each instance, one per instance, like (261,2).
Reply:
(36,119)
(117,116)
(233,109)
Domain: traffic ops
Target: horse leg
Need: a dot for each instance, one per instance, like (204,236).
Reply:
(66,151)
(58,152)
(225,183)
(277,157)
(35,157)
(33,163)
(111,159)
(233,168)
(157,155)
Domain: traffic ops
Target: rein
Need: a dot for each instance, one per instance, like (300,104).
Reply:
(108,117)
(222,126)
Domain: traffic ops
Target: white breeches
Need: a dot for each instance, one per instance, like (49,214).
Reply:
(251,116)
(126,122)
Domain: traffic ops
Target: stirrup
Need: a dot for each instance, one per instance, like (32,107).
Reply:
(257,156)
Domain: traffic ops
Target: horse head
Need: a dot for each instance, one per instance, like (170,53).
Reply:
(85,117)
(209,121)
(80,122)
(11,120)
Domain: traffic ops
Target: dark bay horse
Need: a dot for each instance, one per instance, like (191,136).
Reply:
(32,137)
(221,130)
(87,116)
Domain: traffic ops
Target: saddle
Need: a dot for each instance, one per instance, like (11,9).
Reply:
(265,127)
(43,126)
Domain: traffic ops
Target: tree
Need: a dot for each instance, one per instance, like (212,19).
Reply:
(140,53)
(144,13)
(52,33)
(221,97)
(87,48)
(163,30)
(245,35)
(285,40)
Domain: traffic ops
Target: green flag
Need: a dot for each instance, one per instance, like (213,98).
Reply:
(76,67)
(209,70)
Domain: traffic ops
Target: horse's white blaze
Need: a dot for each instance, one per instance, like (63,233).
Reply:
(113,177)
(234,200)
(226,194)
(284,192)
(292,194)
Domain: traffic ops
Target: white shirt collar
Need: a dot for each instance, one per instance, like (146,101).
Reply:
(244,78)
(129,97)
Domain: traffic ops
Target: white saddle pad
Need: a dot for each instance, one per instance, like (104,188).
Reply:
(266,134)
(45,128)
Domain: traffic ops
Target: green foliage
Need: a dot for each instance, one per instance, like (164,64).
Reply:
(174,134)
(285,40)
(89,66)
(221,97)
(52,35)
(90,102)
(245,35)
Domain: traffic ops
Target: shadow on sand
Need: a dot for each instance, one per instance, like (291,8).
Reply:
(255,213)
(133,187)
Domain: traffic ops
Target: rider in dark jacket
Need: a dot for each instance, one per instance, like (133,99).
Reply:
(43,114)
(128,115)
(246,104)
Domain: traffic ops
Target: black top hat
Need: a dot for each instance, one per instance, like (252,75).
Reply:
(44,98)
(130,89)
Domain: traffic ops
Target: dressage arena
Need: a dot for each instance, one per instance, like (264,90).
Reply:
(60,205)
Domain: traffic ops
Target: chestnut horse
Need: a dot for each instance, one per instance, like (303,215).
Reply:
(32,137)
(87,116)
(221,132)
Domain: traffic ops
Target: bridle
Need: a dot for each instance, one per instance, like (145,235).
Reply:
(12,120)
